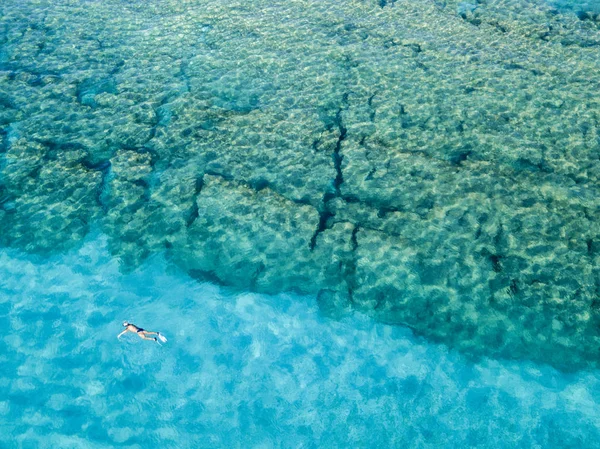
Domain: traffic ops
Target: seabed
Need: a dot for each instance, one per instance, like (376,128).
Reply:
(361,223)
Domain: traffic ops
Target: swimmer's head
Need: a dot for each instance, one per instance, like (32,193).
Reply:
(125,324)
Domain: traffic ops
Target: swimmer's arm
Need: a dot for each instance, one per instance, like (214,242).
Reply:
(119,336)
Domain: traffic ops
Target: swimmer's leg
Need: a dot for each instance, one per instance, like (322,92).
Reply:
(144,336)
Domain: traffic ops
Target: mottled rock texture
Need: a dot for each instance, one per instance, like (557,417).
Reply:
(431,164)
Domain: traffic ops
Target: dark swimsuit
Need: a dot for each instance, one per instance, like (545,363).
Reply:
(140,330)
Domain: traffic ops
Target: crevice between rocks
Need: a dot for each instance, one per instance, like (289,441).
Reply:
(337,156)
(384,3)
(350,268)
(182,74)
(104,167)
(325,212)
(193,211)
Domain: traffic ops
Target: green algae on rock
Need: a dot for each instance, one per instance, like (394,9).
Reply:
(434,165)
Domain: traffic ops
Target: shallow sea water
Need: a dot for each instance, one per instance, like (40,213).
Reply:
(309,145)
(248,370)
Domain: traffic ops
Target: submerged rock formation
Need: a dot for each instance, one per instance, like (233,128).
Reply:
(434,165)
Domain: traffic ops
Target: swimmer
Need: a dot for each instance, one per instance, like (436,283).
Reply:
(130,327)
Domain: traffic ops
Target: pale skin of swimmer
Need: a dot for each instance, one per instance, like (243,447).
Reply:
(142,333)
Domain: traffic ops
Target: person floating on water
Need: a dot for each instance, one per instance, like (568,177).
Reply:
(130,327)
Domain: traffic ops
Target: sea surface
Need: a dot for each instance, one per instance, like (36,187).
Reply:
(249,371)
(359,223)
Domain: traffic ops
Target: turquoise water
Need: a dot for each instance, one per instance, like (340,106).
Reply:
(249,371)
(361,223)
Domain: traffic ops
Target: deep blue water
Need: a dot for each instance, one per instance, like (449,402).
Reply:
(248,370)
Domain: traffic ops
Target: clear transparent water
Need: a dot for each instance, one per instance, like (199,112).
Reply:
(431,164)
(249,371)
(427,163)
